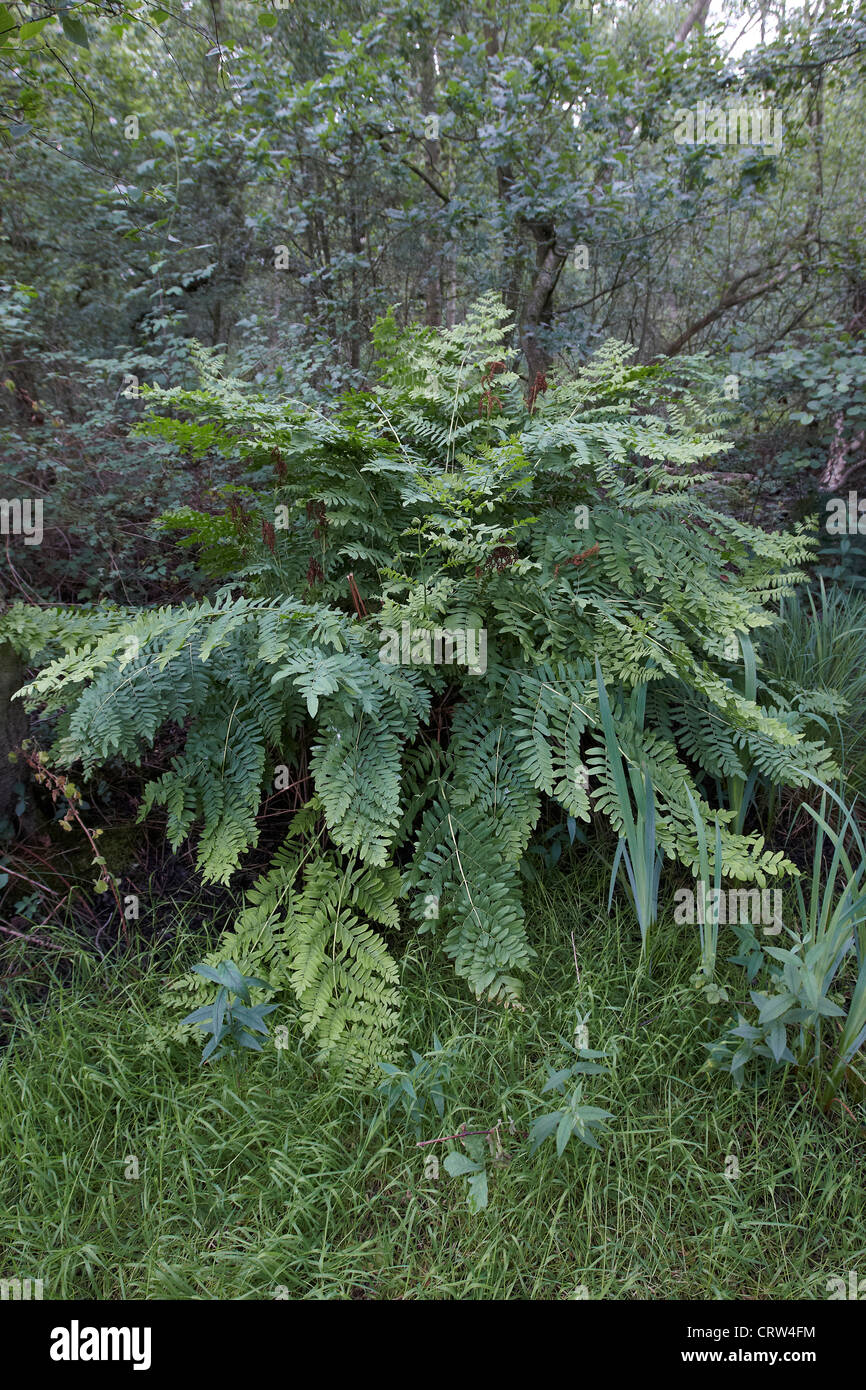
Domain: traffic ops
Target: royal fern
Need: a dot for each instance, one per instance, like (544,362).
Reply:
(569,522)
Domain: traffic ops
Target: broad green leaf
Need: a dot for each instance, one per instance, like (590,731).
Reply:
(478,1191)
(199,1015)
(249,1018)
(35,26)
(235,980)
(459,1166)
(75,31)
(542,1128)
(564,1132)
(556,1079)
(209,973)
(211,1047)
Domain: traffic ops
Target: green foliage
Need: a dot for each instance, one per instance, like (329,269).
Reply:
(637,847)
(473,1167)
(709,929)
(425,1082)
(311,925)
(818,382)
(576,534)
(573,1118)
(275,1154)
(801,438)
(814,660)
(808,985)
(232,1024)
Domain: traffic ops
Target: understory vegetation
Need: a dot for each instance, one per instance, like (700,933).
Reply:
(269,1180)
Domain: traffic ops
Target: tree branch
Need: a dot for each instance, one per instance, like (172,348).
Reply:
(696,16)
(431,183)
(730,300)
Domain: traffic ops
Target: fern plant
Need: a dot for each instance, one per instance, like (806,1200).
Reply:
(567,526)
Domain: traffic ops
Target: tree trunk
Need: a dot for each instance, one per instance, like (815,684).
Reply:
(549,260)
(13,728)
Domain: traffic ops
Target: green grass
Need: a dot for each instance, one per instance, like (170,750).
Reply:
(822,645)
(273,1175)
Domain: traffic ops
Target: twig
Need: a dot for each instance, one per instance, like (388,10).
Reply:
(461,1134)
(4,869)
(22,936)
(465,1134)
(356,597)
(58,784)
(574,950)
